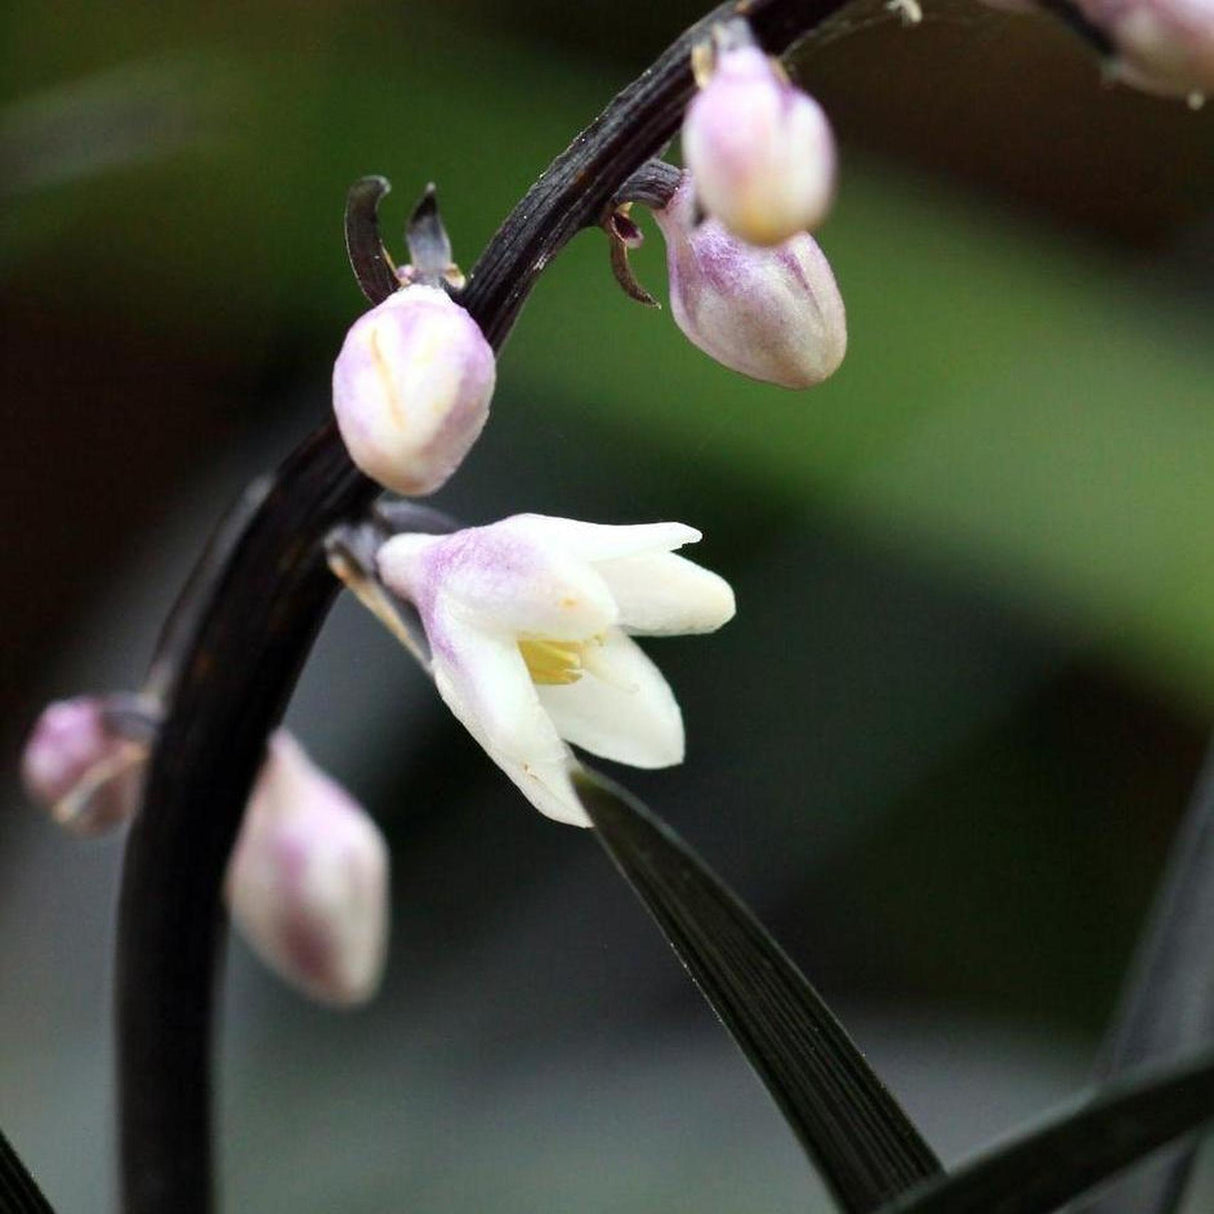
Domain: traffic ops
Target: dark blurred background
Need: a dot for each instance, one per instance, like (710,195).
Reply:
(944,745)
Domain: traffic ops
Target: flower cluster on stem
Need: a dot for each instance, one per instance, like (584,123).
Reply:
(411,396)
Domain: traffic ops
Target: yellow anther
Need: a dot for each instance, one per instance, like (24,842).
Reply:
(553,663)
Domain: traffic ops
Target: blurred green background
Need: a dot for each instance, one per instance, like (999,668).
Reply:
(943,746)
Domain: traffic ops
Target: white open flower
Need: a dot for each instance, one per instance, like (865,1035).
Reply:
(528,622)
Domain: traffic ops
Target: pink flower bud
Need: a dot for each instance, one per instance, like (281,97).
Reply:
(308,880)
(774,314)
(82,770)
(1163,46)
(411,389)
(760,149)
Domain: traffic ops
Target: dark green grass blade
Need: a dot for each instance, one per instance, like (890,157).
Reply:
(1037,1173)
(1167,1006)
(865,1146)
(18,1192)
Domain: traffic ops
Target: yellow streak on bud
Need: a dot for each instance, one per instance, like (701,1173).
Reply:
(388,381)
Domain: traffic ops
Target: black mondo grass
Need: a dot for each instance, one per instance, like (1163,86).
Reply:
(228,667)
(866,1148)
(19,1193)
(1167,1005)
(1038,1172)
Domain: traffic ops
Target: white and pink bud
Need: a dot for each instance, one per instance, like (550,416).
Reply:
(308,880)
(78,766)
(774,314)
(761,150)
(1163,46)
(411,389)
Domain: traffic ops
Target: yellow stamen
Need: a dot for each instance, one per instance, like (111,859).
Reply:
(556,663)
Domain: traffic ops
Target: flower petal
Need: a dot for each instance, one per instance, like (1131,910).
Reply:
(627,713)
(502,580)
(484,681)
(661,594)
(600,541)
(405,562)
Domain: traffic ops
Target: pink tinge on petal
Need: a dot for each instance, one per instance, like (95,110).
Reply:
(68,738)
(85,773)
(308,881)
(411,389)
(308,953)
(1162,46)
(774,314)
(501,577)
(761,150)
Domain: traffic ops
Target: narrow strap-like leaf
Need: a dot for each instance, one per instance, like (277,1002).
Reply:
(1167,1006)
(867,1149)
(1038,1172)
(18,1192)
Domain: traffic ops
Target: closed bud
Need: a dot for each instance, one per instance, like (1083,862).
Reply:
(761,150)
(1163,46)
(308,880)
(774,314)
(411,389)
(76,765)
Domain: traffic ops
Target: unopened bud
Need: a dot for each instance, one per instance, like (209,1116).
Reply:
(760,149)
(1163,46)
(308,880)
(774,314)
(85,772)
(411,389)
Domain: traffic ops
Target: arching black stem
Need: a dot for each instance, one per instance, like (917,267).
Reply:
(226,689)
